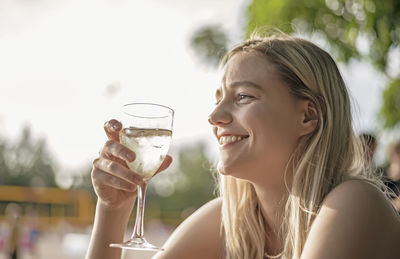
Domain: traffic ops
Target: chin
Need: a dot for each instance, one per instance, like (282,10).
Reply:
(232,170)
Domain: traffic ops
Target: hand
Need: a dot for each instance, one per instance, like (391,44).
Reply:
(114,183)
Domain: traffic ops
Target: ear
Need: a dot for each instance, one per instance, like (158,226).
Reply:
(309,118)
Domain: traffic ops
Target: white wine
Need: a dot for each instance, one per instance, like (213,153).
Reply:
(150,146)
(148,133)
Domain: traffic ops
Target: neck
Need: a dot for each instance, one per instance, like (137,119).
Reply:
(272,201)
(272,204)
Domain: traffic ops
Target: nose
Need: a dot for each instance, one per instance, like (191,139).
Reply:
(220,116)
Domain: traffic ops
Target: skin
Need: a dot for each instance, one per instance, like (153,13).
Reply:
(394,174)
(355,220)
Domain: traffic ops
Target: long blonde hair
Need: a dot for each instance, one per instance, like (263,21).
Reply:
(322,160)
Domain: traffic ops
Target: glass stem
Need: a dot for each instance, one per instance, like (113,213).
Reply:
(138,231)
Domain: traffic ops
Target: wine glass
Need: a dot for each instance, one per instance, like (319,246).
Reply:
(147,131)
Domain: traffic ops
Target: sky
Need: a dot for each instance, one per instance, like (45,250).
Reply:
(67,66)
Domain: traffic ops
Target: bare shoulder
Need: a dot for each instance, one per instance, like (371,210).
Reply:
(355,221)
(356,196)
(199,236)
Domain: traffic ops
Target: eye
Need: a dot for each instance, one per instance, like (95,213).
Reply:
(244,98)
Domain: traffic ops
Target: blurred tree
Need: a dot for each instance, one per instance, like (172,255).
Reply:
(183,188)
(210,42)
(343,23)
(26,163)
(390,110)
(83,180)
(359,29)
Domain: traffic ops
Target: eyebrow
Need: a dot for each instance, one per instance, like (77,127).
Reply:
(237,84)
(247,83)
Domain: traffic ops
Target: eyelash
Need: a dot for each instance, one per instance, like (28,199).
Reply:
(239,98)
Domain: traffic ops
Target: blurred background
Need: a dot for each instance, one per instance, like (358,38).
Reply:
(67,66)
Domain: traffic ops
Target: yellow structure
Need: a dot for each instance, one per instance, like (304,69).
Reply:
(50,205)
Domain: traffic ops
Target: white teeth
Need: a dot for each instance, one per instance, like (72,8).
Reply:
(229,139)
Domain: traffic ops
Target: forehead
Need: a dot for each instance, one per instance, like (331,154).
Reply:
(248,66)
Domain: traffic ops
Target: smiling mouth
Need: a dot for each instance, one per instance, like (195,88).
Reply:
(226,140)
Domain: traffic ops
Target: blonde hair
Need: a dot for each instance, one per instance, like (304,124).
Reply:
(322,160)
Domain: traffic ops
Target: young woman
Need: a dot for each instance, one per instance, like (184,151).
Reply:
(292,176)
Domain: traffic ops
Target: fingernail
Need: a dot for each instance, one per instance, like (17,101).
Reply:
(129,156)
(116,126)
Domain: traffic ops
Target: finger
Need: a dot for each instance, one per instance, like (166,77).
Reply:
(101,179)
(117,170)
(112,129)
(115,149)
(165,164)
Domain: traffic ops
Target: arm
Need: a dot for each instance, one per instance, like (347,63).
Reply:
(109,227)
(198,237)
(355,222)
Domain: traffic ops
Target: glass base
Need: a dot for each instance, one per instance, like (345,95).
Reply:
(137,244)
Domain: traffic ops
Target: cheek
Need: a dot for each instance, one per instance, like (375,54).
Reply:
(284,121)
(274,128)
(274,139)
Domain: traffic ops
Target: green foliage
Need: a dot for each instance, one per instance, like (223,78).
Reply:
(390,109)
(210,43)
(83,181)
(191,185)
(26,163)
(342,23)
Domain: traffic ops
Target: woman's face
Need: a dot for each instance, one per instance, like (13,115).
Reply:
(257,121)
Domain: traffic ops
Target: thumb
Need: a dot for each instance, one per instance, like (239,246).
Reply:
(112,129)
